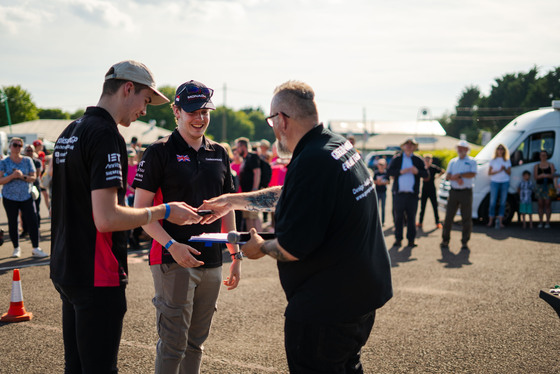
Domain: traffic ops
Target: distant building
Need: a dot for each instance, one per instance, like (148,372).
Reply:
(49,129)
(376,135)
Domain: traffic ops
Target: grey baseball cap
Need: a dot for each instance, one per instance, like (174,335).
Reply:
(139,73)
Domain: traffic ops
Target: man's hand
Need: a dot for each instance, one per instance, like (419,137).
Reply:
(183,214)
(252,249)
(182,255)
(232,280)
(219,205)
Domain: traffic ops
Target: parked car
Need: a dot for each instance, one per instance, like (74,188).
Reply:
(371,156)
(525,137)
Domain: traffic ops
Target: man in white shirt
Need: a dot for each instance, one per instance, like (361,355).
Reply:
(460,172)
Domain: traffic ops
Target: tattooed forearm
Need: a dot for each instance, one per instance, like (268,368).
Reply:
(270,248)
(263,201)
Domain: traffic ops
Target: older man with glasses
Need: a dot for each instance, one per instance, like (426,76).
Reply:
(332,258)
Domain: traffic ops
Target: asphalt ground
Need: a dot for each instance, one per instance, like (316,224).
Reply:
(455,312)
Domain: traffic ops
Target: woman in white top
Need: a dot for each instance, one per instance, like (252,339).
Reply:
(499,172)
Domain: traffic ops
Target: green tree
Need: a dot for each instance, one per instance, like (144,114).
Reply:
(162,114)
(21,106)
(53,113)
(237,122)
(511,95)
(77,114)
(465,119)
(262,129)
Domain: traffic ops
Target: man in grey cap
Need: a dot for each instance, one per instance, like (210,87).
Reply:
(89,217)
(406,169)
(186,166)
(461,171)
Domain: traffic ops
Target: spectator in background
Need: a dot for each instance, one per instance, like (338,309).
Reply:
(406,169)
(264,151)
(134,234)
(135,144)
(38,145)
(381,180)
(249,179)
(525,191)
(429,190)
(544,174)
(30,152)
(17,173)
(461,171)
(499,171)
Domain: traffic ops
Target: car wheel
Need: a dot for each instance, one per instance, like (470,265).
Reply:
(483,210)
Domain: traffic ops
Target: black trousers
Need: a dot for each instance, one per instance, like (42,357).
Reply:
(29,217)
(430,194)
(405,203)
(326,347)
(92,319)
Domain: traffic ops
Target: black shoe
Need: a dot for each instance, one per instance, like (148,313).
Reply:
(412,244)
(397,243)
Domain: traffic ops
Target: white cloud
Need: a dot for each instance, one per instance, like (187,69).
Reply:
(17,18)
(103,13)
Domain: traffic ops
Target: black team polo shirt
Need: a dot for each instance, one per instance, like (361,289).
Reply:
(327,217)
(90,154)
(174,171)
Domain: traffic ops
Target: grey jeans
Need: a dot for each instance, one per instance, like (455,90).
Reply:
(185,301)
(458,199)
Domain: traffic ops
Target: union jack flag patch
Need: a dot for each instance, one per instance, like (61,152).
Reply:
(183,158)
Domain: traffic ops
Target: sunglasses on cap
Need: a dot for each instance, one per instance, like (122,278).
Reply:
(193,90)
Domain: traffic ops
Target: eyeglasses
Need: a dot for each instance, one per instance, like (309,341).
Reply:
(17,145)
(269,118)
(28,150)
(208,92)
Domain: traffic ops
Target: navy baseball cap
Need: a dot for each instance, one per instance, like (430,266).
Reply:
(193,95)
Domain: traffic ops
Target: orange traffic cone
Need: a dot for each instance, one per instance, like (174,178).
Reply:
(17,312)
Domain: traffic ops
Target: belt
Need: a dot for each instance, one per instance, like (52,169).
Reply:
(461,189)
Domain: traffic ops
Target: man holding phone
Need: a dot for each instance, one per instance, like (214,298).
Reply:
(186,166)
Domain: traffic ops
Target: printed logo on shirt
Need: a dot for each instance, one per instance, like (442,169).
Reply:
(183,158)
(113,167)
(140,171)
(214,159)
(61,148)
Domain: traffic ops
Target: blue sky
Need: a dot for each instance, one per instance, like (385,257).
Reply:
(385,58)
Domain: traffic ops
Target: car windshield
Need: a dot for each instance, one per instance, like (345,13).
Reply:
(506,138)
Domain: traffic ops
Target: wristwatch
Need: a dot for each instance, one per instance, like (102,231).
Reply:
(236,255)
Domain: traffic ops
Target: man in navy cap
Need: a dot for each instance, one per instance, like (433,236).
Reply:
(186,166)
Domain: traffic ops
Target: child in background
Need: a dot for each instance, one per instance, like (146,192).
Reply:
(525,190)
(381,181)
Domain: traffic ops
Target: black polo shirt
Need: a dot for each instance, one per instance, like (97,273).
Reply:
(247,171)
(90,154)
(429,186)
(174,171)
(327,217)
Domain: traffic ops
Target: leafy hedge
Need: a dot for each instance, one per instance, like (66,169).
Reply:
(442,157)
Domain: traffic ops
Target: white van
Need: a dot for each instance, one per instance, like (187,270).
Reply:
(525,137)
